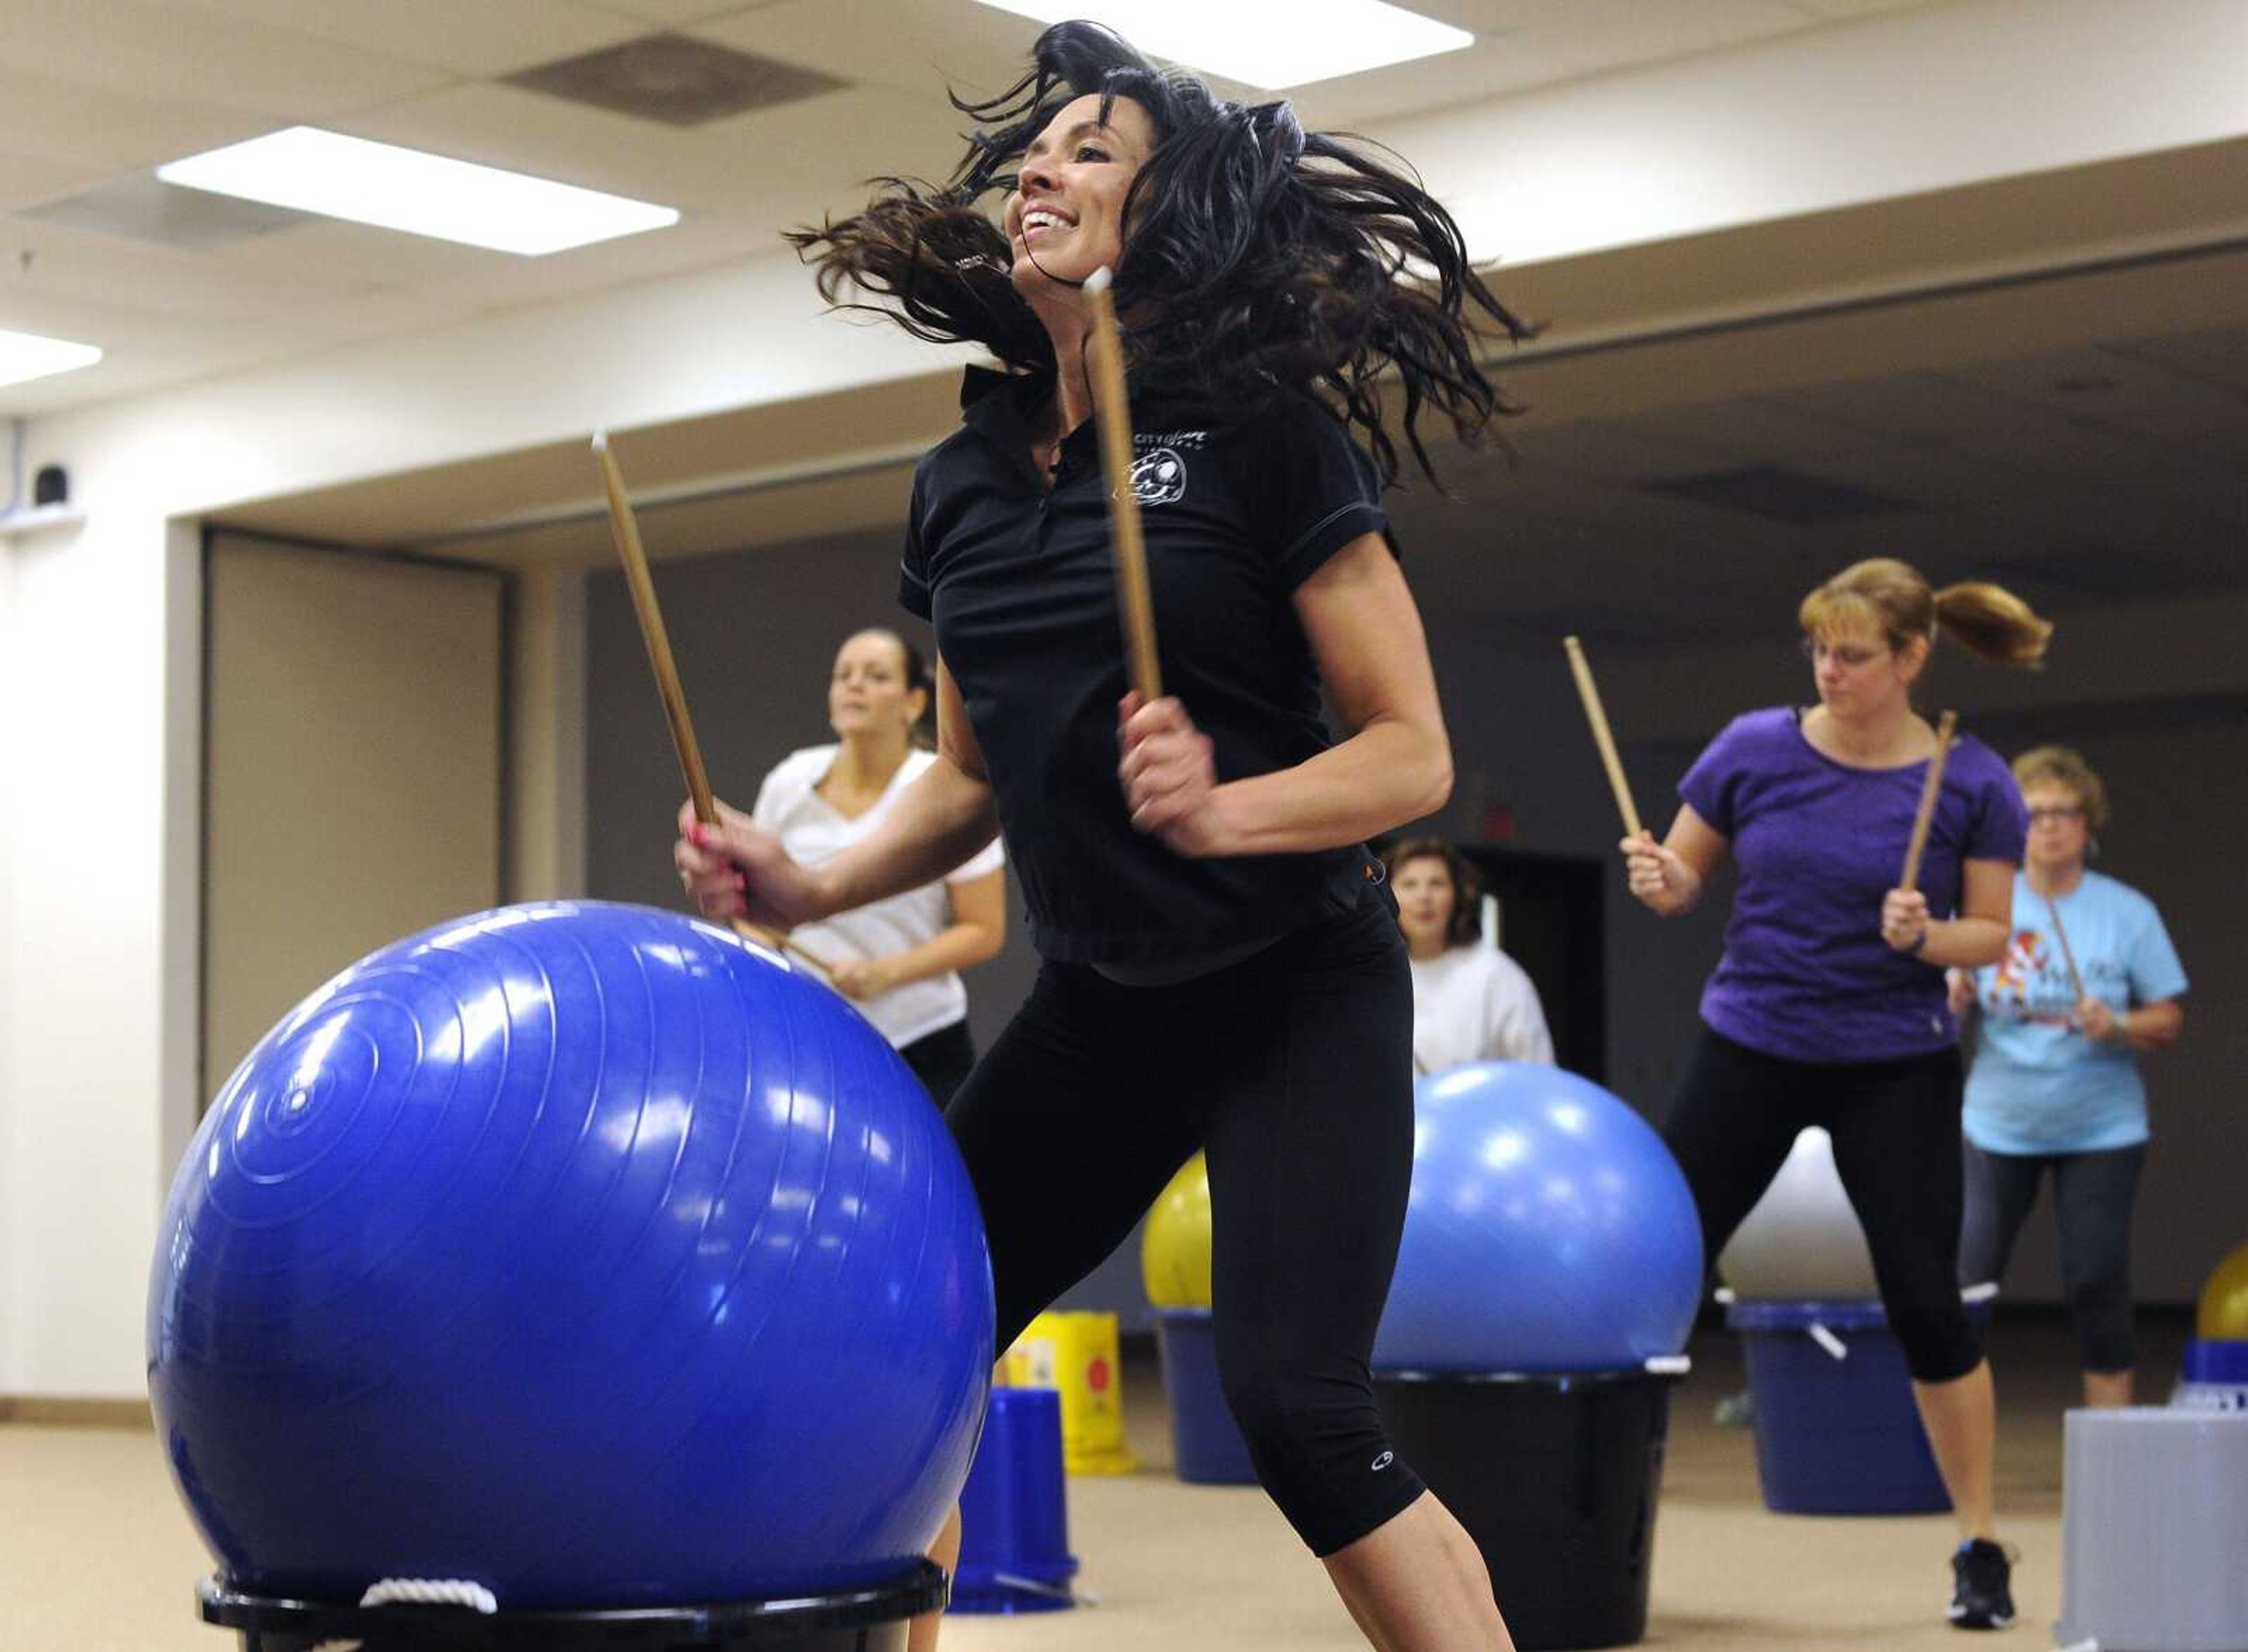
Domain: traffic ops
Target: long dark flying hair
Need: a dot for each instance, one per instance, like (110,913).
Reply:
(1261,259)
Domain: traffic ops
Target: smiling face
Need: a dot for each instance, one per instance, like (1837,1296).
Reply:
(1426,897)
(867,692)
(1066,218)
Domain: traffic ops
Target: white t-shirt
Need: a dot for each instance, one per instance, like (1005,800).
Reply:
(1475,1003)
(810,829)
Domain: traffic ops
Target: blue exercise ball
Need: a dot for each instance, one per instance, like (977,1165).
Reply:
(1549,1230)
(584,1252)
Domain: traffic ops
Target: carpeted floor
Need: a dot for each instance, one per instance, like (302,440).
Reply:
(99,1557)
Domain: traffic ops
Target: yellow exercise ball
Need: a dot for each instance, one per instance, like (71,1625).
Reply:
(2223,1315)
(1175,1250)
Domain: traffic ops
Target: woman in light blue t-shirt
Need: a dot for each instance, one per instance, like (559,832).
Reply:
(2088,981)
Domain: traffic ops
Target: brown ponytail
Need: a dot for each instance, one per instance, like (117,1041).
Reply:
(1892,598)
(1991,620)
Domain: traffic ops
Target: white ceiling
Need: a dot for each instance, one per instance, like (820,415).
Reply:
(98,93)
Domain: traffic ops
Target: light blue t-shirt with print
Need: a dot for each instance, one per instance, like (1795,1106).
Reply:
(2038,1084)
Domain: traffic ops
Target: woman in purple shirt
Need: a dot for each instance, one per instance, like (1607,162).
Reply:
(1829,1006)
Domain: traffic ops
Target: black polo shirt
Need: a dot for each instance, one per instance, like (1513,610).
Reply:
(1020,584)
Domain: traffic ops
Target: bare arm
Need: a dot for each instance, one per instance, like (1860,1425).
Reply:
(979,930)
(1974,938)
(1365,632)
(1668,878)
(2146,1026)
(941,820)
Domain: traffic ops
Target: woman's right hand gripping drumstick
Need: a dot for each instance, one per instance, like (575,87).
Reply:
(1661,878)
(734,868)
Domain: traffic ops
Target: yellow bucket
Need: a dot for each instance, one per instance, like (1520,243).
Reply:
(1076,1354)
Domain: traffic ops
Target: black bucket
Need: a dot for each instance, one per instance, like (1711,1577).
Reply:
(1555,1476)
(873,1618)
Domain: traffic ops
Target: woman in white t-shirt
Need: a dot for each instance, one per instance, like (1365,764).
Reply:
(899,959)
(1471,1002)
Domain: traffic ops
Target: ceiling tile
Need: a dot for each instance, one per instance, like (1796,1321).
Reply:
(1861,7)
(2133,396)
(676,14)
(147,48)
(919,47)
(1521,46)
(141,207)
(496,280)
(95,275)
(676,79)
(504,126)
(41,115)
(786,163)
(1597,37)
(2059,468)
(481,38)
(26,180)
(2213,357)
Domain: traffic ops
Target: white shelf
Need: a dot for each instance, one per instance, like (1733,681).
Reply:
(21,525)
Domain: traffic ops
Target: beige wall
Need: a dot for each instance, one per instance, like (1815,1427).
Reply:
(354,788)
(10,769)
(546,788)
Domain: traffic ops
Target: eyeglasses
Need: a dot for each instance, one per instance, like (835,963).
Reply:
(2056,812)
(1846,656)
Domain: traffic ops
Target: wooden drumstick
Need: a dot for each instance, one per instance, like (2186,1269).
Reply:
(2067,954)
(625,528)
(1926,813)
(1114,415)
(1589,692)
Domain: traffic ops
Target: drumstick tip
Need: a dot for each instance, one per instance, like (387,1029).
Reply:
(1101,280)
(601,441)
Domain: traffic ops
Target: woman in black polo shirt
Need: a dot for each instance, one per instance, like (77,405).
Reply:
(1222,969)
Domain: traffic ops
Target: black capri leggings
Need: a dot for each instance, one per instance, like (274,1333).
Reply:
(1292,1070)
(2093,1195)
(942,1061)
(1895,1126)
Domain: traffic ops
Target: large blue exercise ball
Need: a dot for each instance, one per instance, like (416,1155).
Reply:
(584,1252)
(1549,1230)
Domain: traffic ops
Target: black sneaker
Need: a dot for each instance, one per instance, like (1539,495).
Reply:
(1981,1596)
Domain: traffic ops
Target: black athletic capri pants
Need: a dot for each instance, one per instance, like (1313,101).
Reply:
(2093,1195)
(1896,1128)
(1292,1070)
(942,1061)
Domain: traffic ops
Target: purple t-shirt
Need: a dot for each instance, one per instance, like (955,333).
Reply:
(1806,975)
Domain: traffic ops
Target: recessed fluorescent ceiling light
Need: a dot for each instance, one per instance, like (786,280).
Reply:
(1263,43)
(378,183)
(26,355)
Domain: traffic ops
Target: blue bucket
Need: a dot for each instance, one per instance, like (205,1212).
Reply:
(1836,1433)
(1014,1517)
(2215,1377)
(1206,1444)
(2210,1361)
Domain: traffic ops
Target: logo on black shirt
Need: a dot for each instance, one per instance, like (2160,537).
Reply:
(1159,477)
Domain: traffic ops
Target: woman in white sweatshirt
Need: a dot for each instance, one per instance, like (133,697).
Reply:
(1471,1002)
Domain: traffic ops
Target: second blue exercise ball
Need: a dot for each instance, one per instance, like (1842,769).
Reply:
(583,1252)
(1549,1230)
